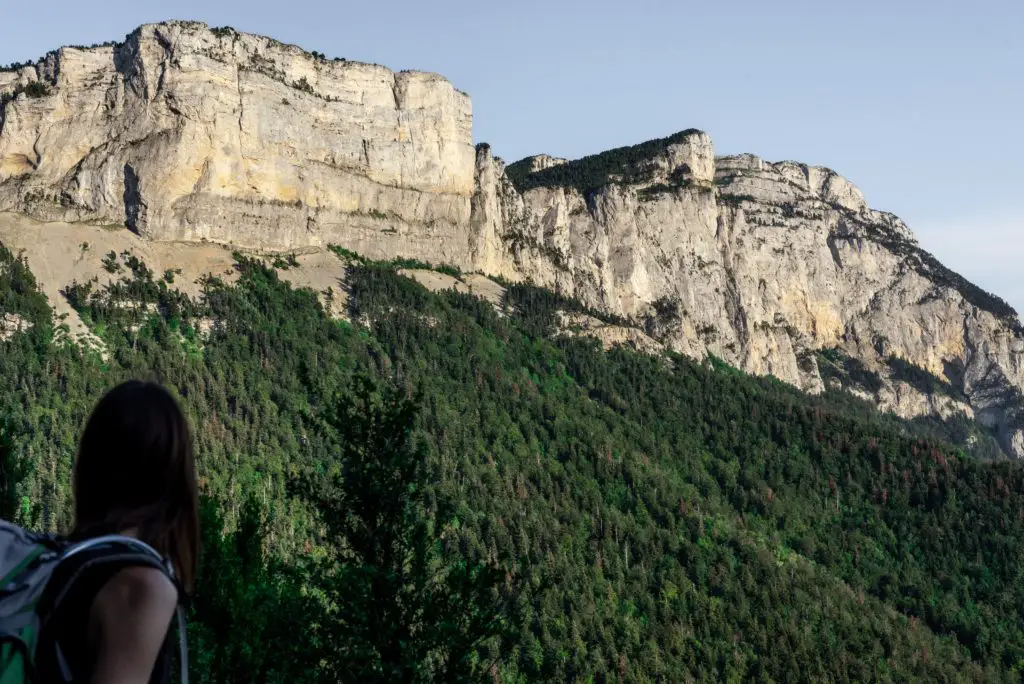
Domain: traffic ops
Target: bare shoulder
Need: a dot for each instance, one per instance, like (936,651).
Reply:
(130,618)
(137,590)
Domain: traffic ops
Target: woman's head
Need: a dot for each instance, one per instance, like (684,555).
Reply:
(135,471)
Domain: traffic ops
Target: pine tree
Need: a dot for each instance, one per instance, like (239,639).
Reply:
(404,611)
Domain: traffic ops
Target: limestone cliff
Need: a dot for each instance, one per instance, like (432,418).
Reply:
(183,133)
(776,268)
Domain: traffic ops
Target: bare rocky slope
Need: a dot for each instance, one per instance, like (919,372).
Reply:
(184,134)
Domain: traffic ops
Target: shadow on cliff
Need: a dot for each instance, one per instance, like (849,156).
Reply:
(134,209)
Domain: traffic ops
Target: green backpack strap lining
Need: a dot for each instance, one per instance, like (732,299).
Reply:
(25,562)
(16,662)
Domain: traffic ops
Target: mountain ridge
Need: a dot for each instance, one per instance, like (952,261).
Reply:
(183,132)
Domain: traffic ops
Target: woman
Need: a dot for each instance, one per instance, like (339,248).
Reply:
(135,476)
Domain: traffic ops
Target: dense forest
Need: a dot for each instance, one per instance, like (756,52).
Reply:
(564,513)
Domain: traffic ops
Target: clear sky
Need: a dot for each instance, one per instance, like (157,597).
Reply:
(918,102)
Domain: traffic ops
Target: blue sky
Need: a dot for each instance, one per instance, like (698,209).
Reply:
(920,103)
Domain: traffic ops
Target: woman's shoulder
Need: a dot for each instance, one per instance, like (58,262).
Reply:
(131,616)
(137,589)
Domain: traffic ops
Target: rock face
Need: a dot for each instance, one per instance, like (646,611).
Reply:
(181,132)
(764,265)
(186,133)
(12,324)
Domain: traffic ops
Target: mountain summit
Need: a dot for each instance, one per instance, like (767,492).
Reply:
(183,133)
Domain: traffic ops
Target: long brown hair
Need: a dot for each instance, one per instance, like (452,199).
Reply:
(136,470)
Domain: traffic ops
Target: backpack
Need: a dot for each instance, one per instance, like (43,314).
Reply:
(27,561)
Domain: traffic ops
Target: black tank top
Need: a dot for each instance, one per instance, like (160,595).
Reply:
(65,632)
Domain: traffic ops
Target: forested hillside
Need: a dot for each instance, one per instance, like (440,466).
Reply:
(637,518)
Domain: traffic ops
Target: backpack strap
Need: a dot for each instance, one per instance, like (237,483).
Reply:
(112,540)
(116,549)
